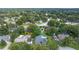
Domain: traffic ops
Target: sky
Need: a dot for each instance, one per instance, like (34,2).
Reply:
(39,3)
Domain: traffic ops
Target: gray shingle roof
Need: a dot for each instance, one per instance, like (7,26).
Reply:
(22,38)
(40,39)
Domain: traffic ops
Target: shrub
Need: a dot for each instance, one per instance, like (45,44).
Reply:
(52,44)
(2,44)
(20,46)
(39,47)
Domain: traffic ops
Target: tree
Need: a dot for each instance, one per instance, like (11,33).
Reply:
(72,30)
(13,36)
(63,28)
(43,18)
(20,30)
(4,30)
(50,31)
(70,41)
(67,41)
(35,30)
(2,44)
(21,20)
(52,43)
(36,18)
(53,22)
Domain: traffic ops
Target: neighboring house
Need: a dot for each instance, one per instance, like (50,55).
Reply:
(10,20)
(40,39)
(23,38)
(5,37)
(62,36)
(41,23)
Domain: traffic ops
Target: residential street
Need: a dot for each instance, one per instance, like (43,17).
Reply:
(65,48)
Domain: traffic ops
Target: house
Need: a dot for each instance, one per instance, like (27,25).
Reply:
(40,39)
(62,36)
(5,37)
(41,23)
(23,38)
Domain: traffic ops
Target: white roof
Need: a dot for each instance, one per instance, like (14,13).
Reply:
(58,19)
(22,38)
(29,42)
(71,23)
(43,23)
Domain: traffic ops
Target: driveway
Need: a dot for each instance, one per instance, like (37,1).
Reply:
(65,48)
(7,46)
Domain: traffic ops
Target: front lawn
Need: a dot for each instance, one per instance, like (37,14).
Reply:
(2,44)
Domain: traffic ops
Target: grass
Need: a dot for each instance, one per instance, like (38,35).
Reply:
(2,46)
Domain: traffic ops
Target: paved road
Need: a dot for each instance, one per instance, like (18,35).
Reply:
(71,23)
(65,48)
